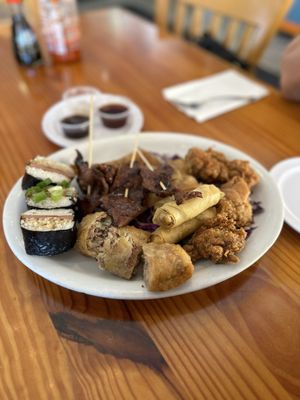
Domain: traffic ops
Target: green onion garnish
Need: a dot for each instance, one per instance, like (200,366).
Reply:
(38,197)
(44,183)
(56,193)
(38,187)
(65,184)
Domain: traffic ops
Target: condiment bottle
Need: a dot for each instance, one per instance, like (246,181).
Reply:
(60,27)
(25,44)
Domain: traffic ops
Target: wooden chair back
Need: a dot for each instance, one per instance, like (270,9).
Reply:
(243,26)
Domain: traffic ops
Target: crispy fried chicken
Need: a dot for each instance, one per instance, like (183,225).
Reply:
(218,244)
(221,238)
(207,166)
(235,205)
(242,168)
(211,166)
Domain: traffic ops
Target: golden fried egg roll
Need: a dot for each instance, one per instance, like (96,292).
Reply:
(175,235)
(170,215)
(166,266)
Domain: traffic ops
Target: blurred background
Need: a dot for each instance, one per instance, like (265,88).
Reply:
(268,67)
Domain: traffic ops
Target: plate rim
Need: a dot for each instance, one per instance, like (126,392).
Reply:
(145,295)
(277,172)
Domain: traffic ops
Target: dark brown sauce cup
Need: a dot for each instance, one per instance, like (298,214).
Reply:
(75,126)
(114,115)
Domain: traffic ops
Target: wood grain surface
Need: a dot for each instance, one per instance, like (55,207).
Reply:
(237,340)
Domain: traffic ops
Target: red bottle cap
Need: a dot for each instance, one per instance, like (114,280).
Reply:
(13,1)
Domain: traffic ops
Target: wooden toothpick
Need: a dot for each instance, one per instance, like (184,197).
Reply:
(149,166)
(133,157)
(91,142)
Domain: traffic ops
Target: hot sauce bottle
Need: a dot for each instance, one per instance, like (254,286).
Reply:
(60,27)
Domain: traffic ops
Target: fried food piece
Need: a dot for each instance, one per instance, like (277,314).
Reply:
(121,251)
(207,166)
(166,266)
(218,244)
(175,235)
(220,238)
(92,231)
(181,180)
(236,203)
(170,214)
(242,168)
(118,250)
(236,190)
(211,166)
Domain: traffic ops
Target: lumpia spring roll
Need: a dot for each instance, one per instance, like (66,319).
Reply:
(175,235)
(171,214)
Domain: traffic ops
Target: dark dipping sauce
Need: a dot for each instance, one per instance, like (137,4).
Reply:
(76,126)
(114,115)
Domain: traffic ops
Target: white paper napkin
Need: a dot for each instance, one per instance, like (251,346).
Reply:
(224,83)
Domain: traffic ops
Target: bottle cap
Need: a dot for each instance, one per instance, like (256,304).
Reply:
(13,1)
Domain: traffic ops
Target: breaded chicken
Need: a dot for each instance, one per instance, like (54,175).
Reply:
(207,166)
(236,203)
(221,238)
(210,166)
(242,168)
(219,244)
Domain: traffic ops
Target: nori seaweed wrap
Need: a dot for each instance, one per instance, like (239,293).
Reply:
(48,232)
(41,168)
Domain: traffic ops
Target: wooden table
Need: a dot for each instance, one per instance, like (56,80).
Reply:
(237,340)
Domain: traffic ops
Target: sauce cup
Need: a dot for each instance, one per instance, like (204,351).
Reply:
(114,114)
(75,126)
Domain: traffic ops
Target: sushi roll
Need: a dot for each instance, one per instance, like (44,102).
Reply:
(48,232)
(44,195)
(41,168)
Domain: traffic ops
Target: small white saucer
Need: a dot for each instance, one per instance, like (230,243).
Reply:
(287,176)
(80,104)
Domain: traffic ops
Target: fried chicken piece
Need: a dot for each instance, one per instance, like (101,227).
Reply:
(211,166)
(208,166)
(220,238)
(242,168)
(240,214)
(236,205)
(218,244)
(180,179)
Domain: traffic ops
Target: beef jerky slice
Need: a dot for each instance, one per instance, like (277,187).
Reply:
(152,179)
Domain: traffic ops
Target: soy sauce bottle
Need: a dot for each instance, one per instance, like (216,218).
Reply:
(26,48)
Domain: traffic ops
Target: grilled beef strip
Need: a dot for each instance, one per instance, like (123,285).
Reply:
(152,179)
(99,177)
(124,209)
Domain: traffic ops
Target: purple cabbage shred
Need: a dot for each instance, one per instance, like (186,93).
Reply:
(257,207)
(146,226)
(144,221)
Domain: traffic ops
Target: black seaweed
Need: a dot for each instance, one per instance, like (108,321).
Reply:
(70,207)
(29,181)
(48,243)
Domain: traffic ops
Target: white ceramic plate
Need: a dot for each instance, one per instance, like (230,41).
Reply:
(53,130)
(80,273)
(287,176)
